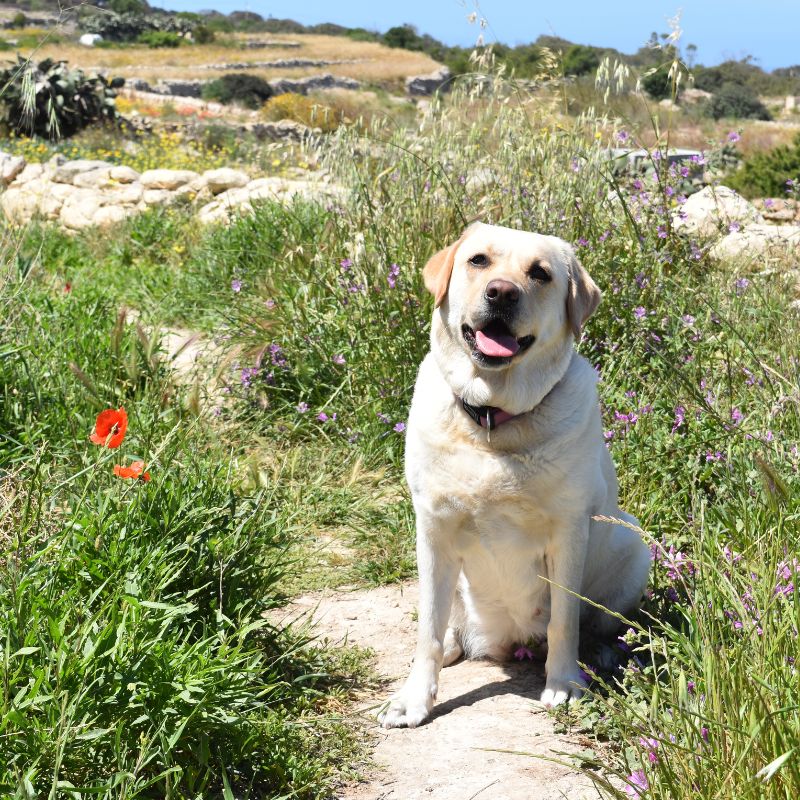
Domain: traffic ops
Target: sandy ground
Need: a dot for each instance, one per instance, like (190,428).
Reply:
(482,708)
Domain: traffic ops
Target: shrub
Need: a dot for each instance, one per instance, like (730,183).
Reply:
(299,108)
(202,34)
(239,87)
(51,100)
(766,174)
(580,60)
(658,84)
(737,101)
(19,20)
(160,39)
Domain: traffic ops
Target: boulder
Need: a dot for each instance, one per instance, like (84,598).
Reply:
(126,194)
(220,180)
(425,85)
(93,179)
(713,210)
(31,171)
(124,174)
(18,205)
(156,197)
(169,179)
(10,167)
(79,210)
(757,241)
(108,215)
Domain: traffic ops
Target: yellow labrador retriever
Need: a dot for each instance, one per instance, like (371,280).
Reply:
(507,466)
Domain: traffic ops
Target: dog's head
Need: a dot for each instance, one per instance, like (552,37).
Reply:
(506,298)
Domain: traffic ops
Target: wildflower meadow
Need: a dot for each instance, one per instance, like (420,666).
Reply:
(150,524)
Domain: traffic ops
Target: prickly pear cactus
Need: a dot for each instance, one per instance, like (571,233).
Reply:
(51,100)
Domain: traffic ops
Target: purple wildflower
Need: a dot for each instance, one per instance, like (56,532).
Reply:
(741,285)
(736,416)
(637,783)
(302,407)
(639,312)
(236,285)
(248,373)
(733,136)
(338,359)
(345,264)
(384,418)
(399,427)
(522,652)
(622,136)
(680,414)
(391,278)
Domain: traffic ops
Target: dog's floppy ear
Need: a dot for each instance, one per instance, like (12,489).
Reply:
(436,273)
(583,296)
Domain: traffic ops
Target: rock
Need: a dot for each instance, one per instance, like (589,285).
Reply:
(128,194)
(31,171)
(124,174)
(108,215)
(777,209)
(424,85)
(695,95)
(65,172)
(156,197)
(240,201)
(757,241)
(90,39)
(169,179)
(712,210)
(18,205)
(93,179)
(10,167)
(79,210)
(220,180)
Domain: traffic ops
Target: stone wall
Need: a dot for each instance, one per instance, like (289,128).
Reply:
(79,194)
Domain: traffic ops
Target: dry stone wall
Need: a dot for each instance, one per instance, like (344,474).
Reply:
(81,193)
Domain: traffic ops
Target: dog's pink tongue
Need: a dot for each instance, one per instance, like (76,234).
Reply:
(496,344)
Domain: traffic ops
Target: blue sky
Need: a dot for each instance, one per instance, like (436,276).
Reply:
(768,30)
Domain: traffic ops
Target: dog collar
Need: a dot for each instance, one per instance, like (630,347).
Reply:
(489,417)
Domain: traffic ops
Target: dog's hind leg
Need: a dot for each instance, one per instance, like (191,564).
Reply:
(627,558)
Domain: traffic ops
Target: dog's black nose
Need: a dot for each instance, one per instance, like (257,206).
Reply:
(501,293)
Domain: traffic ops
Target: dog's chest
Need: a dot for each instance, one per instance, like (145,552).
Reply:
(491,489)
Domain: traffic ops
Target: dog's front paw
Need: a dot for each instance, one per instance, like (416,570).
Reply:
(562,689)
(407,709)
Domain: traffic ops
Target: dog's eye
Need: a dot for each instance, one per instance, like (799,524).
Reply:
(538,273)
(479,260)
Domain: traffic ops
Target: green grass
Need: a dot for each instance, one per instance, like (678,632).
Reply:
(322,312)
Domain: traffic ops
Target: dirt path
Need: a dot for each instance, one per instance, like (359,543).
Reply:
(482,708)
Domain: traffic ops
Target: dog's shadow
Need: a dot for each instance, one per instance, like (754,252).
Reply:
(524,679)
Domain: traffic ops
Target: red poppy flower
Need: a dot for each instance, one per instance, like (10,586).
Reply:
(135,470)
(110,427)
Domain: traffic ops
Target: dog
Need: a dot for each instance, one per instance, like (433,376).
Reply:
(507,467)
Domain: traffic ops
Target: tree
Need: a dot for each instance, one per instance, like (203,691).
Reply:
(580,60)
